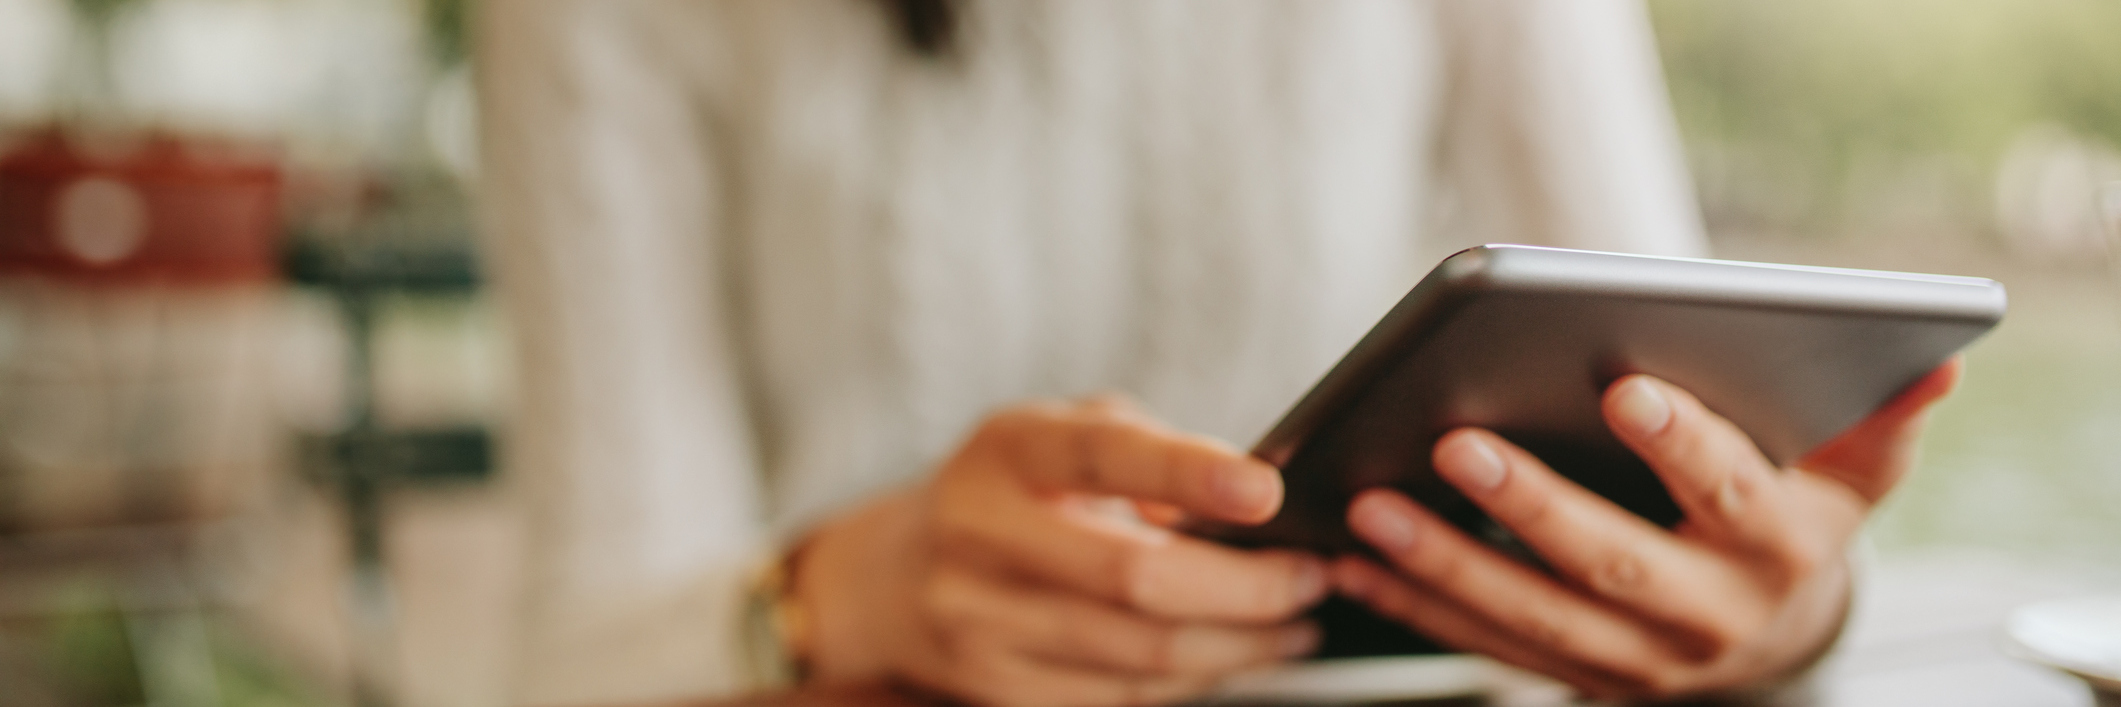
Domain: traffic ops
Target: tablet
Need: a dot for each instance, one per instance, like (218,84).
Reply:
(1524,340)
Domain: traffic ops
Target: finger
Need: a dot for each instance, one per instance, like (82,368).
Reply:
(1099,449)
(1599,546)
(988,673)
(1712,469)
(1873,456)
(1132,565)
(1452,624)
(1515,598)
(1072,629)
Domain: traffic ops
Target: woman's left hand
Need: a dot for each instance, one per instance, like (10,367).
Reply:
(1750,587)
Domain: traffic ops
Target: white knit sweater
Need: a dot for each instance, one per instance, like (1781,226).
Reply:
(763,261)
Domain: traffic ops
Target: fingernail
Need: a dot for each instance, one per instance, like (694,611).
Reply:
(1380,521)
(1300,641)
(1243,489)
(1642,408)
(1470,462)
(1310,580)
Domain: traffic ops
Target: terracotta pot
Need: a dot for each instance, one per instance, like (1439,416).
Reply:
(134,287)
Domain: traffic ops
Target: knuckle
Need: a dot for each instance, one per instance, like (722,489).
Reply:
(1117,645)
(1086,447)
(1541,627)
(1619,574)
(1644,679)
(1731,497)
(1133,572)
(1799,563)
(1723,636)
(1709,441)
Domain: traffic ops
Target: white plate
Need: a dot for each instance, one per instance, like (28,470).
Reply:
(2078,636)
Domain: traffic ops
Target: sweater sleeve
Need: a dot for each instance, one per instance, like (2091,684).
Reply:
(1558,130)
(630,451)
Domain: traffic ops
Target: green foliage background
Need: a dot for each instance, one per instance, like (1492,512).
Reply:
(1791,106)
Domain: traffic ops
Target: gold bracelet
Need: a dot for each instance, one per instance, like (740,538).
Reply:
(777,627)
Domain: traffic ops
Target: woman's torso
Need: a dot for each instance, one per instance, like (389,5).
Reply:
(1200,206)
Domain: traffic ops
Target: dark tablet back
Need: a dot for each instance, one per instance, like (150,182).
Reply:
(1524,340)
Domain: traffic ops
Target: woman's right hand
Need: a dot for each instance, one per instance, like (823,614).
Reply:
(1037,568)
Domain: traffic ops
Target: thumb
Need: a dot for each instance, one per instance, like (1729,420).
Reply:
(1871,457)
